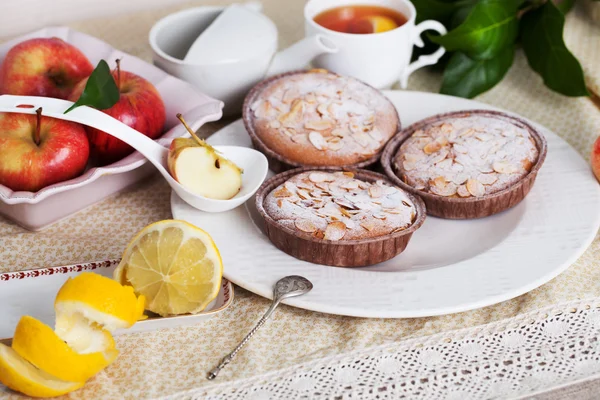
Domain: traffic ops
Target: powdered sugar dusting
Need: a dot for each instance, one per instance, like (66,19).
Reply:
(467,156)
(316,202)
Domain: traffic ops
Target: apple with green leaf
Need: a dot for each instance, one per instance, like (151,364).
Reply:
(200,168)
(139,106)
(48,67)
(37,151)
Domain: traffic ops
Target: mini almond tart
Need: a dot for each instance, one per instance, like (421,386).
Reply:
(302,239)
(342,123)
(478,196)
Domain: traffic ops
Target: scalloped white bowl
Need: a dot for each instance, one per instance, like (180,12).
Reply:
(35,211)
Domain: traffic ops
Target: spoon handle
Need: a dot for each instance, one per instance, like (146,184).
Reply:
(212,374)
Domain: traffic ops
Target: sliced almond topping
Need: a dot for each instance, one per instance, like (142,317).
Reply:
(527,165)
(446,190)
(348,174)
(355,128)
(318,177)
(305,225)
(361,138)
(379,216)
(467,133)
(322,109)
(368,225)
(459,148)
(283,192)
(317,140)
(440,182)
(484,137)
(333,139)
(375,191)
(299,138)
(264,110)
(293,117)
(319,125)
(335,231)
(408,166)
(376,135)
(350,185)
(338,132)
(413,157)
(441,156)
(487,179)
(345,203)
(363,185)
(290,95)
(322,185)
(445,164)
(331,109)
(280,203)
(504,167)
(345,212)
(310,98)
(393,211)
(419,133)
(335,146)
(446,128)
(303,194)
(288,132)
(462,191)
(442,140)
(460,179)
(275,124)
(256,104)
(475,187)
(432,147)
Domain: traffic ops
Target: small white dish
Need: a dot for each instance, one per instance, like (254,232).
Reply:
(17,299)
(449,266)
(238,52)
(254,163)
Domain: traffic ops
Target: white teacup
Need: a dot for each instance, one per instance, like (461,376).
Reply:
(379,59)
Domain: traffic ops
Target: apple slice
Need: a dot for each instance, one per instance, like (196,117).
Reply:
(200,168)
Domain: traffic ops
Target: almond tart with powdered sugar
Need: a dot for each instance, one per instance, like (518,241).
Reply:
(466,164)
(344,218)
(318,118)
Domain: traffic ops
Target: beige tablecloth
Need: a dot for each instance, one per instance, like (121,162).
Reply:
(165,362)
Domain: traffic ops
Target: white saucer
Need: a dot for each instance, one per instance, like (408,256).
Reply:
(449,266)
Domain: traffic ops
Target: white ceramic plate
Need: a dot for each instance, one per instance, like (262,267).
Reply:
(449,266)
(33,292)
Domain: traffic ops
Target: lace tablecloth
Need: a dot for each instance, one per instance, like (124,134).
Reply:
(303,354)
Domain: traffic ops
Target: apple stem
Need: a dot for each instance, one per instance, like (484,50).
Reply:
(118,61)
(200,141)
(36,134)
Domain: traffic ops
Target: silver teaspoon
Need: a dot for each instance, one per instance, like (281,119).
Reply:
(290,286)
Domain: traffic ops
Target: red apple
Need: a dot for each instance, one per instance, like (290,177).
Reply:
(48,67)
(595,158)
(140,107)
(37,151)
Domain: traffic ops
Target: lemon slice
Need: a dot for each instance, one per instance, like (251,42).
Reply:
(380,23)
(95,298)
(20,375)
(175,265)
(37,343)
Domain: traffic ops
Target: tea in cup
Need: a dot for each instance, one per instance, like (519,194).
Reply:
(375,41)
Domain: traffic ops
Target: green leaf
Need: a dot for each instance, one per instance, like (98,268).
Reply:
(466,77)
(564,5)
(435,9)
(100,92)
(491,26)
(547,54)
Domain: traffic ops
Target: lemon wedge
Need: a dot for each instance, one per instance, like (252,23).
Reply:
(176,266)
(37,343)
(22,376)
(96,298)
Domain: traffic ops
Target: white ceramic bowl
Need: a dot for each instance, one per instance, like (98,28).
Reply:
(35,211)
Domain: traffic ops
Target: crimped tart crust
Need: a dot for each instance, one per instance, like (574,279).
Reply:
(337,206)
(466,156)
(319,118)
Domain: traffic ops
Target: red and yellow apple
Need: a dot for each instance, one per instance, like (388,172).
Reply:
(595,159)
(37,151)
(48,67)
(140,107)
